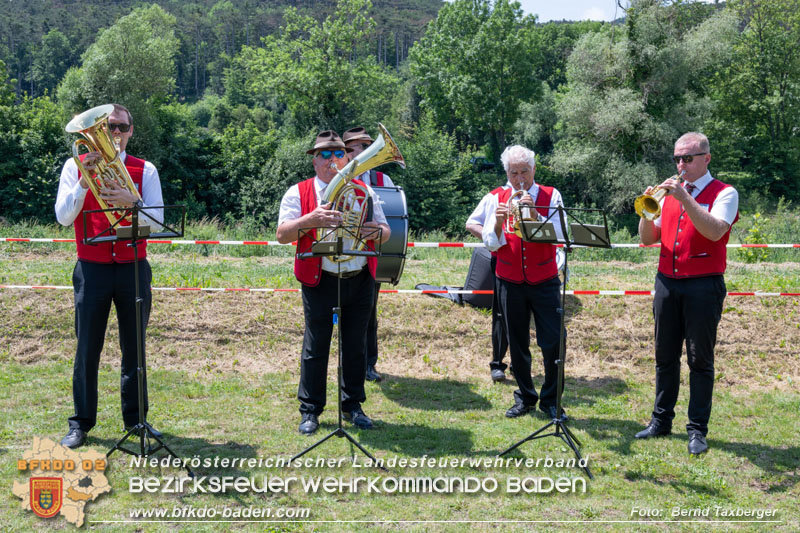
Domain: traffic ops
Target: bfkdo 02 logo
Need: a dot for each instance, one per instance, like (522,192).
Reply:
(46,495)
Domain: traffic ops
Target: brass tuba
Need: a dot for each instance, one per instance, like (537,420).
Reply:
(93,125)
(342,193)
(648,206)
(518,212)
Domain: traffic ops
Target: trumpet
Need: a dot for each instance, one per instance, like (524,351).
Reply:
(518,212)
(648,206)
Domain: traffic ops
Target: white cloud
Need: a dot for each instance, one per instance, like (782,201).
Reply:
(595,13)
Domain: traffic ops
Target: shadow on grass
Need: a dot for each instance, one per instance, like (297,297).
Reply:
(416,439)
(780,461)
(433,394)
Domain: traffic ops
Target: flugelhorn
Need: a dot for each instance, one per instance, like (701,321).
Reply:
(343,194)
(518,212)
(648,206)
(93,125)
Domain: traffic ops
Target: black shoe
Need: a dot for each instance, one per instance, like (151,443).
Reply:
(654,429)
(372,374)
(358,418)
(74,438)
(519,409)
(153,431)
(309,423)
(697,444)
(550,411)
(498,375)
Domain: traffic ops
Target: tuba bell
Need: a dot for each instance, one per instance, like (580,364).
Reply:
(648,206)
(93,125)
(343,194)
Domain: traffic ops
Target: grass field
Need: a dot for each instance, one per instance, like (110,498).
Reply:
(224,367)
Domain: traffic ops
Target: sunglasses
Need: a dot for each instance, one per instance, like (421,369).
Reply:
(123,128)
(326,154)
(686,158)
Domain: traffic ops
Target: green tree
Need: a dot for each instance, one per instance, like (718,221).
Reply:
(631,93)
(474,66)
(131,63)
(316,71)
(759,95)
(51,60)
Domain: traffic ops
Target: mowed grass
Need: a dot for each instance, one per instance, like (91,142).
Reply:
(223,372)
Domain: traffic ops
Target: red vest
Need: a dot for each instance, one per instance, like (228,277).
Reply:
(527,262)
(106,252)
(685,253)
(376,178)
(308,270)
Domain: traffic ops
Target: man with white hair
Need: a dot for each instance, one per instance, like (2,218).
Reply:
(527,274)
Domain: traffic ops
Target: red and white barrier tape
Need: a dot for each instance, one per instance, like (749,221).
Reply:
(410,244)
(395,291)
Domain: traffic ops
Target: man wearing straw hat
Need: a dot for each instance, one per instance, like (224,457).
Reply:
(357,140)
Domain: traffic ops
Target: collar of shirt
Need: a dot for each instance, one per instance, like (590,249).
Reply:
(319,188)
(700,183)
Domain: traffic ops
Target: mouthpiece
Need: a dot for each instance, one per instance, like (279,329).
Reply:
(117,142)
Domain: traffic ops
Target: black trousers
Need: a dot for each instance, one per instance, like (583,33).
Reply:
(318,304)
(372,330)
(686,310)
(517,303)
(499,337)
(96,286)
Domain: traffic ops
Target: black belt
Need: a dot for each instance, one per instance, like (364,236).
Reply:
(345,275)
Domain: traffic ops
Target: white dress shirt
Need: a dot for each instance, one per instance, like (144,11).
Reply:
(490,239)
(725,206)
(481,213)
(69,200)
(291,209)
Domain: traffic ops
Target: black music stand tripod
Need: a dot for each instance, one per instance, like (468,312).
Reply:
(134,233)
(332,248)
(543,231)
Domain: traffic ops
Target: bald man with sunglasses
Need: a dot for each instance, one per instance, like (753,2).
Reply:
(301,215)
(693,229)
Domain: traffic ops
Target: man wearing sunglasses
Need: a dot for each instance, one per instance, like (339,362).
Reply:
(693,229)
(301,210)
(104,273)
(357,140)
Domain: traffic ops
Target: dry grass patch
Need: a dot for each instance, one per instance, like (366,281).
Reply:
(420,337)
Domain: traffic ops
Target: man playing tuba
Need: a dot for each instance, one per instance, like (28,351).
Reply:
(301,209)
(104,274)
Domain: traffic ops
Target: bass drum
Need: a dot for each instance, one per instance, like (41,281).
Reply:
(393,252)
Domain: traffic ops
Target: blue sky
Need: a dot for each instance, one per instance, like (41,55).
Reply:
(573,9)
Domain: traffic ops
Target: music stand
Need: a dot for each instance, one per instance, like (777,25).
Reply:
(134,233)
(322,247)
(544,231)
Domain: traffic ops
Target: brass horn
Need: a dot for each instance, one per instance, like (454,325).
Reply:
(93,125)
(518,212)
(648,206)
(342,194)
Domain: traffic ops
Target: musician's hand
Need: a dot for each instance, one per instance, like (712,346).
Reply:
(116,195)
(368,230)
(323,216)
(500,217)
(674,189)
(526,199)
(90,164)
